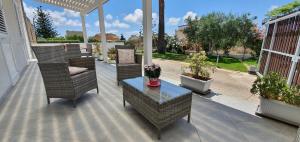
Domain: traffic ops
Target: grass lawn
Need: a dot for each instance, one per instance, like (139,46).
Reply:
(224,62)
(250,62)
(171,56)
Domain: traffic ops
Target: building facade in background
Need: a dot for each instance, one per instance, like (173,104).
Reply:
(180,33)
(109,37)
(74,33)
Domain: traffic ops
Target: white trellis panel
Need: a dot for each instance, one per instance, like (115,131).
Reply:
(281,48)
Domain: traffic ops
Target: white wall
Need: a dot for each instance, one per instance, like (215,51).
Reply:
(13,49)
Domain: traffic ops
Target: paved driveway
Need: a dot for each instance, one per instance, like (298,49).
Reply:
(230,88)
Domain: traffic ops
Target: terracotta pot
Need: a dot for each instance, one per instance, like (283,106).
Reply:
(153,82)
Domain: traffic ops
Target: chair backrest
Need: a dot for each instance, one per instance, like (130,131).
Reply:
(122,47)
(72,51)
(49,54)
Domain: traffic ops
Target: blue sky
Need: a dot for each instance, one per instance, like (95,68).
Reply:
(124,16)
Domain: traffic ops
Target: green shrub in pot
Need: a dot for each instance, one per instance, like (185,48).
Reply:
(293,96)
(273,86)
(198,65)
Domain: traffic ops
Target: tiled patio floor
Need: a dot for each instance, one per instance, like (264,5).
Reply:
(25,116)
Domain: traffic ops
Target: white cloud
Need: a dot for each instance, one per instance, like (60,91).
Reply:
(130,33)
(273,7)
(190,14)
(135,17)
(97,24)
(173,21)
(60,18)
(29,11)
(74,23)
(113,31)
(70,13)
(155,18)
(118,24)
(109,17)
(114,24)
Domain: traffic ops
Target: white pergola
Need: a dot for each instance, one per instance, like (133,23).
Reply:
(87,6)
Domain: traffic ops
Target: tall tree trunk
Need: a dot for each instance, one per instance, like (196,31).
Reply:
(161,45)
(243,58)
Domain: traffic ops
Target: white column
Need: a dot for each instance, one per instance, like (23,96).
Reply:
(147,31)
(295,59)
(102,30)
(270,48)
(262,47)
(85,39)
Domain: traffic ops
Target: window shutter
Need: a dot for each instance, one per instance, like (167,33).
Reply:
(2,22)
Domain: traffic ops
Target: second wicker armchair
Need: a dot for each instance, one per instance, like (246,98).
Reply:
(126,68)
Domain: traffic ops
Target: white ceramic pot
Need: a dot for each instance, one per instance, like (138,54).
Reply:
(252,70)
(196,85)
(280,111)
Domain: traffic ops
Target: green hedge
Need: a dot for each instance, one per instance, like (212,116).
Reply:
(59,41)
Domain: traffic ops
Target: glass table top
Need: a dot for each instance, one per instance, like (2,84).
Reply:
(165,92)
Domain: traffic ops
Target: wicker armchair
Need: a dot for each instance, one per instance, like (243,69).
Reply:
(89,51)
(72,51)
(125,71)
(58,81)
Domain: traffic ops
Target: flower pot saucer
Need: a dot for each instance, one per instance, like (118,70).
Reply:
(153,85)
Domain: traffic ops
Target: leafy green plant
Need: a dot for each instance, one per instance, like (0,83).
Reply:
(198,65)
(97,51)
(152,71)
(293,96)
(112,53)
(284,9)
(273,86)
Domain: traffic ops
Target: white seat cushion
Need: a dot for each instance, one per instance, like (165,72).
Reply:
(76,70)
(126,56)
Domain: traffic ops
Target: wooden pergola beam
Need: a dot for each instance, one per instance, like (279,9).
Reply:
(82,6)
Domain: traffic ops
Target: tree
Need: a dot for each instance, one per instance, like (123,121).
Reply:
(75,37)
(284,9)
(247,35)
(43,24)
(161,28)
(192,33)
(122,37)
(216,31)
(255,41)
(230,33)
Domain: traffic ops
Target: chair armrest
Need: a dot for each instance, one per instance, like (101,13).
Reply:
(138,58)
(55,75)
(88,62)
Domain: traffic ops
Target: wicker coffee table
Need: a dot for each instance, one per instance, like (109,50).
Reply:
(161,105)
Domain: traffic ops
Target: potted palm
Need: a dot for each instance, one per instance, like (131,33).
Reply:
(277,99)
(196,77)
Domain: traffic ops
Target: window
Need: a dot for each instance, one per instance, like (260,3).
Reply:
(2,21)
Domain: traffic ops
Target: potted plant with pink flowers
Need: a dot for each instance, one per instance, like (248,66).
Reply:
(152,72)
